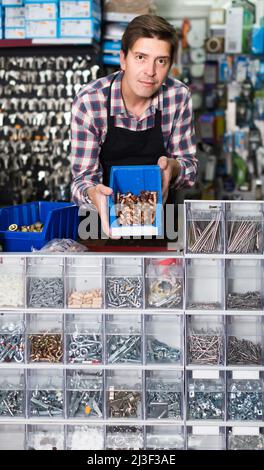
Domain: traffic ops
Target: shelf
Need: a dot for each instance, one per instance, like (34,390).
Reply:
(124,254)
(40,42)
(217,26)
(112,38)
(58,41)
(95,311)
(223,256)
(119,17)
(16,43)
(224,312)
(92,367)
(130,422)
(198,367)
(226,368)
(218,423)
(91,422)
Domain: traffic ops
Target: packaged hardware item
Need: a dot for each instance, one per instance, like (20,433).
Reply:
(63,244)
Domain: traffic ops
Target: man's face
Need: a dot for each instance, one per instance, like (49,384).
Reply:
(146,66)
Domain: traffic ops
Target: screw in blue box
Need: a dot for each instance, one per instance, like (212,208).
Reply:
(134,179)
(59,219)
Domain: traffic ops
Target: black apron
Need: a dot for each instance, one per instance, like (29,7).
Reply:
(126,147)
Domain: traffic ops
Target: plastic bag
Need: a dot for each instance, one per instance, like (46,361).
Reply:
(60,245)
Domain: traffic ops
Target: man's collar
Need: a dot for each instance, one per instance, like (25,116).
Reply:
(117,104)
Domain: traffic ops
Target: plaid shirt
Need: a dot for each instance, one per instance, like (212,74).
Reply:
(89,128)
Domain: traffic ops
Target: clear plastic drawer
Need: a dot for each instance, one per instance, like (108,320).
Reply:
(164,283)
(84,283)
(12,275)
(164,339)
(45,393)
(124,283)
(124,339)
(45,282)
(84,339)
(124,394)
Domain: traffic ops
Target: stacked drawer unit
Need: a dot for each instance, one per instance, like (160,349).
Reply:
(72,327)
(139,352)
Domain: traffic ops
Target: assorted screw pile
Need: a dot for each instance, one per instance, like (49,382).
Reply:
(124,292)
(11,401)
(85,395)
(85,438)
(46,440)
(12,345)
(164,285)
(86,299)
(45,292)
(136,210)
(124,348)
(37,227)
(124,438)
(205,400)
(162,401)
(165,293)
(205,347)
(247,301)
(246,442)
(204,306)
(45,347)
(85,348)
(12,290)
(159,352)
(46,402)
(204,236)
(124,404)
(243,351)
(244,235)
(245,400)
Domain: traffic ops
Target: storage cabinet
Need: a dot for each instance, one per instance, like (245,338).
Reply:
(136,351)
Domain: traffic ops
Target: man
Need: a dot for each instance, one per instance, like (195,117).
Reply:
(136,116)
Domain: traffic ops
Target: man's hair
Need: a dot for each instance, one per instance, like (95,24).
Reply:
(149,26)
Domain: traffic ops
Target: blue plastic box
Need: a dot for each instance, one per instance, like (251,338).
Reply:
(60,220)
(134,179)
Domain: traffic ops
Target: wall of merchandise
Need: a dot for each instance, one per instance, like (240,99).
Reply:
(188,328)
(51,19)
(220,57)
(36,92)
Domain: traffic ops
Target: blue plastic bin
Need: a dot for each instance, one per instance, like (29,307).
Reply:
(59,219)
(134,179)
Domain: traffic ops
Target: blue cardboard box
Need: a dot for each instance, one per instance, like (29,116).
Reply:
(257,43)
(111,59)
(80,28)
(134,179)
(59,219)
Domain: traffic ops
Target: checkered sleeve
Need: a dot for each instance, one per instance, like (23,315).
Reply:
(85,150)
(182,144)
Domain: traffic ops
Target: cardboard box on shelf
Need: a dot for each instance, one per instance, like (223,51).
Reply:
(128,6)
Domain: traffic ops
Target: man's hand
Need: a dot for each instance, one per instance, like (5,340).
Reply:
(98,196)
(169,170)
